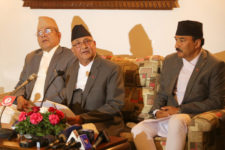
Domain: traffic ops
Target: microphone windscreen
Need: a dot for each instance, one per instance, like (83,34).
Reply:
(74,134)
(62,138)
(68,130)
(102,137)
(90,134)
(85,141)
(60,73)
(32,77)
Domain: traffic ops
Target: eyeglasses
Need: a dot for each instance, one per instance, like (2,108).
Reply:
(85,42)
(45,31)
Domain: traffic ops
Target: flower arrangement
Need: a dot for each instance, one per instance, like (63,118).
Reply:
(41,122)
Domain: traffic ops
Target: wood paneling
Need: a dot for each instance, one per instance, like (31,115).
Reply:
(101,4)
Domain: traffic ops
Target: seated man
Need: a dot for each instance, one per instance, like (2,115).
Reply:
(94,88)
(192,81)
(46,62)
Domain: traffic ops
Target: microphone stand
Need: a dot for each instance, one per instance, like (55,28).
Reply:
(58,73)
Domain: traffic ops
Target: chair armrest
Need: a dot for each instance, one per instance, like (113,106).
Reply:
(207,121)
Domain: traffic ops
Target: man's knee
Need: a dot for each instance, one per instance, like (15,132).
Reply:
(145,129)
(137,129)
(179,121)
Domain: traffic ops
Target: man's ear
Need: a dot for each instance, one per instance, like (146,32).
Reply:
(94,42)
(198,43)
(59,34)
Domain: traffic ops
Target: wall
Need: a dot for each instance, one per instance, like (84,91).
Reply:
(130,32)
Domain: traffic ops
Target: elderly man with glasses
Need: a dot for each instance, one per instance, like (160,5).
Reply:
(95,88)
(49,62)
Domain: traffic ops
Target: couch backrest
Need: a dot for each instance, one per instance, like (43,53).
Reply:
(141,77)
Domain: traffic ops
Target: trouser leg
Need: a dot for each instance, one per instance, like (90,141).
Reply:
(177,131)
(143,136)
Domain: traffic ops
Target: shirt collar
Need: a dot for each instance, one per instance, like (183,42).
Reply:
(194,61)
(51,52)
(89,65)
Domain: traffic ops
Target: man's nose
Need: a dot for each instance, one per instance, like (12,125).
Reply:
(43,35)
(177,45)
(84,45)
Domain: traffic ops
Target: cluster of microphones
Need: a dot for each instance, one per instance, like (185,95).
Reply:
(73,137)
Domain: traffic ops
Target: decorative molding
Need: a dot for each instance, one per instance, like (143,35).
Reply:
(102,4)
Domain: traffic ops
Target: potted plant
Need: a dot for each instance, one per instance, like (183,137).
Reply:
(41,122)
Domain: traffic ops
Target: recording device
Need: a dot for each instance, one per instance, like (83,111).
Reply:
(102,137)
(68,130)
(46,140)
(90,134)
(82,139)
(59,142)
(72,144)
(77,138)
(57,74)
(30,78)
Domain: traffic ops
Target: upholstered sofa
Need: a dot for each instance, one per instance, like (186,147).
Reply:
(141,76)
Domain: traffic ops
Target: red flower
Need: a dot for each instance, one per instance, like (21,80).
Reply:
(54,119)
(22,116)
(52,109)
(29,113)
(35,118)
(36,109)
(60,114)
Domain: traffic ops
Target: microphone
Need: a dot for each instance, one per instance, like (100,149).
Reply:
(90,134)
(60,73)
(72,144)
(102,137)
(68,130)
(58,142)
(82,139)
(63,136)
(46,140)
(57,74)
(30,78)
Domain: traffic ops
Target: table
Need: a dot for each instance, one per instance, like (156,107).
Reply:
(14,144)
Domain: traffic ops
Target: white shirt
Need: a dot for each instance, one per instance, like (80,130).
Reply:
(83,74)
(38,90)
(184,76)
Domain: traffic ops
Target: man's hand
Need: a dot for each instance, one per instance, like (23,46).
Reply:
(23,104)
(161,114)
(74,120)
(170,109)
(166,111)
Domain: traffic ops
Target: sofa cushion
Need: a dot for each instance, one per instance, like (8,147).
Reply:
(141,76)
